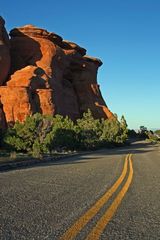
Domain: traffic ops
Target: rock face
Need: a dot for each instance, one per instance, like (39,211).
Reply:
(51,76)
(3,122)
(4,53)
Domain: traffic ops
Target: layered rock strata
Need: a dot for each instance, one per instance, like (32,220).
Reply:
(51,76)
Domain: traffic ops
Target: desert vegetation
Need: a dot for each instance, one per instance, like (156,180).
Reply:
(43,134)
(151,136)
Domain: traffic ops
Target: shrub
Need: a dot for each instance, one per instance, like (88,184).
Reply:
(114,132)
(23,136)
(62,134)
(42,134)
(88,130)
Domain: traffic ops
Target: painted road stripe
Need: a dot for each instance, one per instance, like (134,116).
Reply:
(101,224)
(84,219)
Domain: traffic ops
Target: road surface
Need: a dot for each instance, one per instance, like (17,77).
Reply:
(109,194)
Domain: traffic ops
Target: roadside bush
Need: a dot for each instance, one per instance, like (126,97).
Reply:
(157,132)
(42,134)
(62,135)
(132,134)
(88,131)
(152,137)
(24,136)
(114,132)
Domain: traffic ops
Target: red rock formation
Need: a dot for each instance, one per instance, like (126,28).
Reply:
(3,122)
(16,103)
(31,46)
(84,75)
(45,98)
(4,53)
(50,76)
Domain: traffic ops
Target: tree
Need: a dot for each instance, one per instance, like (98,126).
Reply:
(42,134)
(88,130)
(157,132)
(143,132)
(62,135)
(22,136)
(124,129)
(114,132)
(143,129)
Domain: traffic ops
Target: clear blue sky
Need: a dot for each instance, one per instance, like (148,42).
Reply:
(125,34)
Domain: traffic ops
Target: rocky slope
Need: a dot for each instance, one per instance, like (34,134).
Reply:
(41,72)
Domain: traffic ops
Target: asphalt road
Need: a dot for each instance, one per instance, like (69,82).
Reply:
(48,200)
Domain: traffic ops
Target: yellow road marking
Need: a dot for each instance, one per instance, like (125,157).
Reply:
(84,219)
(101,224)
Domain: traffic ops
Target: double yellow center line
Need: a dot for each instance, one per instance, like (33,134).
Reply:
(95,233)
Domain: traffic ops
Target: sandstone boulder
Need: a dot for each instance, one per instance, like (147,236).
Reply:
(51,76)
(29,76)
(84,78)
(32,47)
(16,103)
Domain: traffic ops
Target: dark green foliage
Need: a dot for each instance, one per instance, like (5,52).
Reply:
(29,135)
(142,129)
(153,137)
(65,139)
(62,134)
(132,133)
(143,132)
(88,131)
(42,134)
(157,132)
(114,132)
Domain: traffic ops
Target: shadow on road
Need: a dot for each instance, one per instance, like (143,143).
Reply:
(134,148)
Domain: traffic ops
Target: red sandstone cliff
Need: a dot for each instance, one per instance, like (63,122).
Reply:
(47,75)
(4,53)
